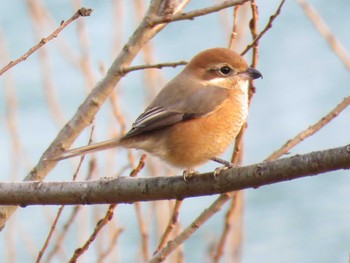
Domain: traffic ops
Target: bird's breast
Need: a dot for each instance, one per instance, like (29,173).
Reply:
(191,143)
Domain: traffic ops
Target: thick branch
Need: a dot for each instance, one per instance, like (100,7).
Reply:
(129,190)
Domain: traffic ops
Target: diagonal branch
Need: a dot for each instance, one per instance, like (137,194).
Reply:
(312,129)
(199,12)
(325,31)
(129,190)
(81,12)
(267,27)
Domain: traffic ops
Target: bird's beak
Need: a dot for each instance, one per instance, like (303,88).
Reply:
(251,73)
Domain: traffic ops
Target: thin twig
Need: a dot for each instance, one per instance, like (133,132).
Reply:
(171,225)
(63,232)
(53,227)
(45,65)
(233,35)
(111,245)
(60,210)
(324,30)
(66,50)
(140,219)
(227,227)
(235,247)
(153,66)
(117,112)
(196,224)
(254,31)
(85,55)
(143,232)
(104,221)
(139,167)
(267,27)
(101,223)
(310,130)
(81,12)
(196,13)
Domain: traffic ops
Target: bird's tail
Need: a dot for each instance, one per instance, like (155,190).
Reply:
(84,150)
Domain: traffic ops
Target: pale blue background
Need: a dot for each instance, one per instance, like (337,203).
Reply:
(306,220)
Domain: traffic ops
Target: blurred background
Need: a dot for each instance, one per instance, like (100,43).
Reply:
(305,220)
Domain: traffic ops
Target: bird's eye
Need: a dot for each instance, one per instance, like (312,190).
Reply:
(225,70)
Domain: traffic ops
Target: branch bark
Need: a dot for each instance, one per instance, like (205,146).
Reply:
(129,190)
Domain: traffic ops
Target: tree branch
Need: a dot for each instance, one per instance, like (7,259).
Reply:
(129,190)
(153,66)
(81,12)
(199,12)
(267,27)
(326,32)
(312,129)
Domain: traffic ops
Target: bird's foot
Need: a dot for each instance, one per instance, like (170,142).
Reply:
(227,165)
(188,173)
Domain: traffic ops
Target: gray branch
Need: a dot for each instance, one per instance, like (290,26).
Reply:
(129,190)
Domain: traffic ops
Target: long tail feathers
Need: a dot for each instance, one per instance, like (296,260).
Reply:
(84,150)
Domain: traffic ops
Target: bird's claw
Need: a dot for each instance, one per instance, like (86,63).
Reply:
(188,173)
(220,169)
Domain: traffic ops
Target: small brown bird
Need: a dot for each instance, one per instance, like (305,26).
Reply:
(194,117)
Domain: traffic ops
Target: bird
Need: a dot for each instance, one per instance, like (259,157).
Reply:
(194,118)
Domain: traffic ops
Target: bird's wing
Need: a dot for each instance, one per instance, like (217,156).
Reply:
(166,111)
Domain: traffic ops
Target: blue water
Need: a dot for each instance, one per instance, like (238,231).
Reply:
(306,220)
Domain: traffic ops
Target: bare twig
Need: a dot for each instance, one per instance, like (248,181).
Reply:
(208,213)
(234,27)
(81,12)
(11,108)
(324,30)
(310,130)
(196,13)
(53,227)
(60,210)
(140,219)
(111,245)
(153,66)
(171,225)
(267,27)
(85,56)
(143,231)
(109,215)
(63,232)
(227,227)
(66,50)
(45,65)
(139,167)
(254,31)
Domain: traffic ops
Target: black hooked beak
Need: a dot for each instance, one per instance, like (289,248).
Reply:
(251,73)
